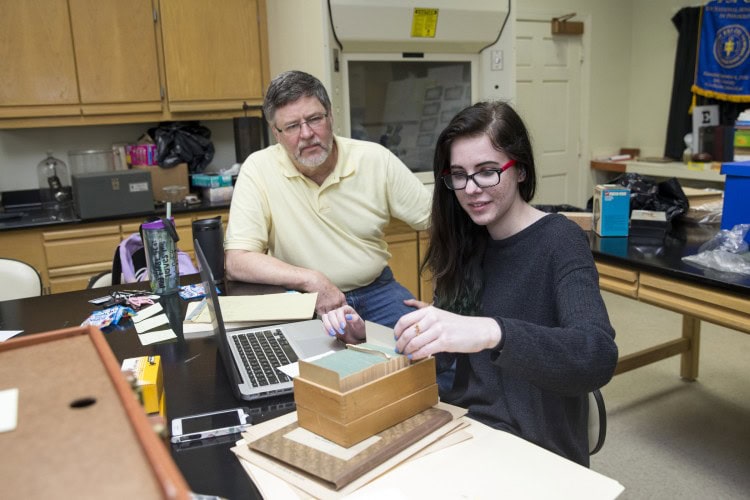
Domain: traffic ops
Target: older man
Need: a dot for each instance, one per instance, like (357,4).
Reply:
(309,212)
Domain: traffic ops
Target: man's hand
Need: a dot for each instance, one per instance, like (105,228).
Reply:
(329,296)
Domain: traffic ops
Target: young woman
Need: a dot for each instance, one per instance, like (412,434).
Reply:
(517,302)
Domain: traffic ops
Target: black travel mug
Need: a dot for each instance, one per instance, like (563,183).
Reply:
(210,236)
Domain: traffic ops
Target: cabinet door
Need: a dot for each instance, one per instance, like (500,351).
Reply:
(212,53)
(425,279)
(115,47)
(403,262)
(37,67)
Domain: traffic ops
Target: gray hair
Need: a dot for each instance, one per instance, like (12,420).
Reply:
(290,86)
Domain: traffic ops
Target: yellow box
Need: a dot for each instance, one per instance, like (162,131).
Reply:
(162,177)
(149,380)
(347,418)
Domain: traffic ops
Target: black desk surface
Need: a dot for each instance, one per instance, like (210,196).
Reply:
(194,376)
(664,257)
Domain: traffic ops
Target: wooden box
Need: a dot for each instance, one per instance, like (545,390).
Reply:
(347,418)
(80,433)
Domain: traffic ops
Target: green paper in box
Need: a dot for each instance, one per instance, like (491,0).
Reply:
(352,367)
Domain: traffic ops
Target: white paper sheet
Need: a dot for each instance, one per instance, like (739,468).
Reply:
(156,336)
(6,334)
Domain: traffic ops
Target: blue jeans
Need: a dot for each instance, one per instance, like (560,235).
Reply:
(382,301)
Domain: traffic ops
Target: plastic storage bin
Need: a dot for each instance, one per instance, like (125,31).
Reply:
(736,194)
(91,160)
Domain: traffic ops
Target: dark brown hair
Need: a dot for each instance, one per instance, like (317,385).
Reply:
(457,244)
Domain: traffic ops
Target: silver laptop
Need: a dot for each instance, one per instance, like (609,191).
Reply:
(251,356)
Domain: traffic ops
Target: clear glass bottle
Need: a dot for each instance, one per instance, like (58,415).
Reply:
(54,184)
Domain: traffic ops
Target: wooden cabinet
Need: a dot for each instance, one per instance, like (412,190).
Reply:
(37,64)
(68,256)
(88,62)
(425,280)
(75,255)
(116,57)
(64,60)
(402,244)
(213,54)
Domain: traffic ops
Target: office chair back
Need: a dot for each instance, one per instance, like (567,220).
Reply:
(100,280)
(18,280)
(597,421)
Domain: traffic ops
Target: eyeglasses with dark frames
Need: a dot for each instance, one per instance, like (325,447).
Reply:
(315,122)
(483,178)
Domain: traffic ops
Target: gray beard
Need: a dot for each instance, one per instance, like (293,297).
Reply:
(317,160)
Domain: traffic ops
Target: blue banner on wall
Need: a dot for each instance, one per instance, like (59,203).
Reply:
(723,65)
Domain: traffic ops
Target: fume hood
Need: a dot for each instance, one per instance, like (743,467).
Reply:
(402,69)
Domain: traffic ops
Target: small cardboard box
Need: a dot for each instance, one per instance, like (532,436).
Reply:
(346,418)
(218,194)
(162,177)
(149,379)
(611,210)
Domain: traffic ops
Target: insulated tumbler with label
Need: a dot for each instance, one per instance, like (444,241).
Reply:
(161,255)
(209,233)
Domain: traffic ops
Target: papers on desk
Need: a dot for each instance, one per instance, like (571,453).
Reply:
(250,310)
(6,334)
(146,320)
(463,459)
(283,477)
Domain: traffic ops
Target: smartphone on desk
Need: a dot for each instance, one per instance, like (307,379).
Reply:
(210,425)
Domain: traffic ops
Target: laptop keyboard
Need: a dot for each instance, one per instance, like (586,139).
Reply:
(262,352)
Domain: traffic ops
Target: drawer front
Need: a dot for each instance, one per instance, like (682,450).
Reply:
(81,232)
(75,252)
(68,283)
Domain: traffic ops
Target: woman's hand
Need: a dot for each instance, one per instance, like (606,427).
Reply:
(430,330)
(345,324)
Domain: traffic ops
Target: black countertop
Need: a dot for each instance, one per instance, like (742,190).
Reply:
(664,256)
(33,217)
(195,379)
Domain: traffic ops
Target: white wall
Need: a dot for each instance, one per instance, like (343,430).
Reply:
(298,37)
(632,45)
(22,149)
(654,44)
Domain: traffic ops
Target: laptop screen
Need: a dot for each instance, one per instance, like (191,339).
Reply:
(214,312)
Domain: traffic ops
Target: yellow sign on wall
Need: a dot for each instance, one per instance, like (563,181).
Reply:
(424,23)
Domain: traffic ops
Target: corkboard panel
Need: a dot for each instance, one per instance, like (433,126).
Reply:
(57,450)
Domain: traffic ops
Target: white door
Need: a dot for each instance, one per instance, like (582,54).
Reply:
(548,98)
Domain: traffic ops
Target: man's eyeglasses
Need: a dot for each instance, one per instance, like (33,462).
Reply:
(315,122)
(483,179)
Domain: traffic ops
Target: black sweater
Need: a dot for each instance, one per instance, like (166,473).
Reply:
(542,287)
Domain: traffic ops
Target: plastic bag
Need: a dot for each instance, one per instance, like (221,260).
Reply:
(727,251)
(646,194)
(183,142)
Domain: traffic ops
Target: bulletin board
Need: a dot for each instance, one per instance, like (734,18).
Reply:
(80,433)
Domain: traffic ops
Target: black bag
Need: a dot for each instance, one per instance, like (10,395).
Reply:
(183,142)
(647,194)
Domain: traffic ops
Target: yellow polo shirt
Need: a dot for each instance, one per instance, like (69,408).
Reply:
(336,228)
